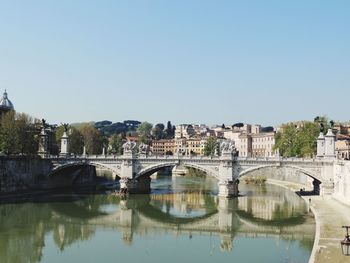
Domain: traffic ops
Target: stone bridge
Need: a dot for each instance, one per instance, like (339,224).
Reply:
(135,166)
(135,171)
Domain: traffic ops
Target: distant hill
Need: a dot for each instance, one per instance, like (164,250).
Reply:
(108,128)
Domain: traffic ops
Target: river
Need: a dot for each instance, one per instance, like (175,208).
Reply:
(182,220)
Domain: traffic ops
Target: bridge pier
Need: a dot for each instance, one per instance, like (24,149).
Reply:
(228,188)
(135,186)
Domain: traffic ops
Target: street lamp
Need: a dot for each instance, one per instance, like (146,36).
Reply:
(345,244)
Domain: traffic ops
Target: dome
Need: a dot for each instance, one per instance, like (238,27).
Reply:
(5,103)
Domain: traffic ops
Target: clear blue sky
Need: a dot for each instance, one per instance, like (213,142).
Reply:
(183,60)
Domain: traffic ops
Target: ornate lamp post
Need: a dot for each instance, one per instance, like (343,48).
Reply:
(345,244)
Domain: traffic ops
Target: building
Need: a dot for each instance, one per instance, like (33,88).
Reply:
(195,146)
(163,147)
(244,145)
(184,131)
(180,145)
(342,147)
(255,129)
(262,144)
(5,104)
(342,128)
(250,141)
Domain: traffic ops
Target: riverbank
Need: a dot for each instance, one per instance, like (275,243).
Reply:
(330,216)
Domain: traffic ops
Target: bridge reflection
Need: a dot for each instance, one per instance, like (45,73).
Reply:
(25,226)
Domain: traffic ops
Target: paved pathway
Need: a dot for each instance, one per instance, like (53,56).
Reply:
(330,216)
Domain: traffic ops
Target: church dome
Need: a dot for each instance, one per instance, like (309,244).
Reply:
(5,103)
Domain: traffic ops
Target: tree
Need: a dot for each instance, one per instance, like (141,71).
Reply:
(93,140)
(76,141)
(58,134)
(116,144)
(267,129)
(170,130)
(210,146)
(322,121)
(301,140)
(158,131)
(238,125)
(28,143)
(9,137)
(145,129)
(17,134)
(286,140)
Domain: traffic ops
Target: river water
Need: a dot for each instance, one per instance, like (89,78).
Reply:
(182,220)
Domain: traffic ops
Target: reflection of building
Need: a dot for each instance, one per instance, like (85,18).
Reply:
(272,207)
(5,104)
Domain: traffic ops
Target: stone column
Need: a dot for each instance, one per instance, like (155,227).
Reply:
(228,188)
(43,143)
(135,186)
(320,145)
(330,144)
(64,145)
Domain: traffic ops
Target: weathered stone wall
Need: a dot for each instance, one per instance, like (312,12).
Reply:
(282,174)
(342,182)
(18,174)
(30,174)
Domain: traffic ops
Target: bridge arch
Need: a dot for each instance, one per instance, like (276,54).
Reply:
(147,171)
(297,168)
(77,164)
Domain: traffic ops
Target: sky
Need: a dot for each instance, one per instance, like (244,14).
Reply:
(187,61)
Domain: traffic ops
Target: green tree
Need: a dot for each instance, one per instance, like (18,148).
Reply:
(17,134)
(93,140)
(299,140)
(58,134)
(144,131)
(76,141)
(170,131)
(210,146)
(306,141)
(116,144)
(9,136)
(158,131)
(28,143)
(285,140)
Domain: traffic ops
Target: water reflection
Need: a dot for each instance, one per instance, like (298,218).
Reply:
(271,212)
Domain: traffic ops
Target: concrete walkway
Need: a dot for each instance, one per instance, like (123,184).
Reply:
(330,217)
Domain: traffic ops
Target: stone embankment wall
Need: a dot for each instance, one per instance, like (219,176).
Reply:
(30,174)
(18,174)
(282,174)
(342,182)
